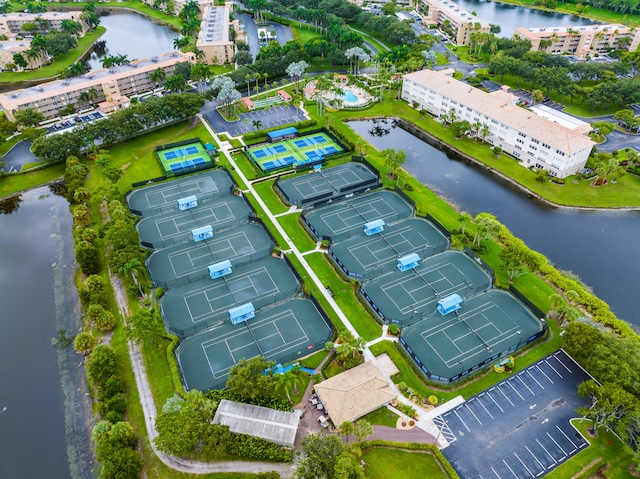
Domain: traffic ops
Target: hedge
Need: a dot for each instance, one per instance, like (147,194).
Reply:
(263,133)
(173,365)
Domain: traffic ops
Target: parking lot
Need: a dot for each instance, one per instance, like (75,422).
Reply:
(256,119)
(520,427)
(71,122)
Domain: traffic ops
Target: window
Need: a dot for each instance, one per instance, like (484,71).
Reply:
(532,147)
(517,147)
(533,140)
(546,146)
(518,140)
(468,109)
(522,134)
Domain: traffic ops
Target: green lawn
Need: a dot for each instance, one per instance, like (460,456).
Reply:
(382,463)
(270,197)
(61,62)
(382,417)
(295,231)
(313,361)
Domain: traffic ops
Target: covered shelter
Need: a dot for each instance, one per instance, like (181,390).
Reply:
(374,227)
(408,261)
(187,202)
(202,233)
(220,269)
(447,305)
(354,393)
(279,427)
(283,134)
(242,313)
(210,149)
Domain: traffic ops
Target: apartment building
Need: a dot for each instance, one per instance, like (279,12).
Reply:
(111,86)
(213,38)
(10,47)
(11,23)
(454,20)
(536,141)
(581,41)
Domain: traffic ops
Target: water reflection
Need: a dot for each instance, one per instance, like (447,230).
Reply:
(10,205)
(382,127)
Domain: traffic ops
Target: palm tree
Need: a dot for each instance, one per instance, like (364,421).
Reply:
(157,76)
(484,132)
(257,124)
(257,77)
(180,42)
(248,78)
(132,267)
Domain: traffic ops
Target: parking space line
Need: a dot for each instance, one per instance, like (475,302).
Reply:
(494,401)
(568,438)
(463,423)
(554,369)
(525,384)
(505,396)
(545,374)
(532,377)
(514,389)
(480,402)
(474,415)
(534,456)
(525,466)
(514,474)
(494,471)
(563,364)
(558,446)
(545,450)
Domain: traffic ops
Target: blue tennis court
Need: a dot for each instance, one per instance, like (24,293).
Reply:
(170,155)
(279,148)
(259,153)
(191,150)
(300,143)
(319,139)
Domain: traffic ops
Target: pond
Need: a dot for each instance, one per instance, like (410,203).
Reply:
(46,426)
(133,35)
(510,17)
(599,246)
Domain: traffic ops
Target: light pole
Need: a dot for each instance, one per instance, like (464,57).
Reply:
(519,339)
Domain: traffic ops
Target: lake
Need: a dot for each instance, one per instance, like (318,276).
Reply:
(46,427)
(599,246)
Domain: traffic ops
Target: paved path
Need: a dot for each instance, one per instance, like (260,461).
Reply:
(18,156)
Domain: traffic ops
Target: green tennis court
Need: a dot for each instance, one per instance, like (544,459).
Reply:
(163,197)
(205,303)
(168,229)
(281,333)
(295,152)
(186,263)
(327,183)
(406,297)
(346,218)
(487,326)
(183,158)
(366,257)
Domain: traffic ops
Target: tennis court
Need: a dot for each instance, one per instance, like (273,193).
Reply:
(487,326)
(205,303)
(184,157)
(163,197)
(327,183)
(295,152)
(346,218)
(367,257)
(409,296)
(186,263)
(168,229)
(281,333)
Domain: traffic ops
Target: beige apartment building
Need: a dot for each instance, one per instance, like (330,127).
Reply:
(10,47)
(213,38)
(537,142)
(109,87)
(11,23)
(581,41)
(445,13)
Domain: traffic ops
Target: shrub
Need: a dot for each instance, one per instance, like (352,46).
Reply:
(394,329)
(433,400)
(406,409)
(84,343)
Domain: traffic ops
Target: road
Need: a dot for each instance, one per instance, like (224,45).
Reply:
(18,156)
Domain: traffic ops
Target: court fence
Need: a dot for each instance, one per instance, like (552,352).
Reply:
(203,199)
(469,252)
(362,160)
(439,225)
(177,144)
(527,302)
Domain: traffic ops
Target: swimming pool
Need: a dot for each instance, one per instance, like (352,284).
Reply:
(349,96)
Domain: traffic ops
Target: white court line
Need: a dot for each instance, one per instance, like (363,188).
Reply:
(534,456)
(463,423)
(545,450)
(480,402)
(568,439)
(494,401)
(532,377)
(525,384)
(545,374)
(514,474)
(494,471)
(554,369)
(514,389)
(474,415)
(525,466)
(505,396)
(558,446)
(564,365)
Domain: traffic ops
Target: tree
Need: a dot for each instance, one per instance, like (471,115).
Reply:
(488,227)
(28,117)
(157,76)
(70,27)
(102,364)
(609,403)
(84,342)
(243,57)
(257,124)
(19,60)
(320,453)
(393,160)
(5,6)
(101,318)
(175,83)
(512,261)
(181,42)
(200,73)
(346,429)
(296,71)
(87,257)
(247,378)
(363,429)
(145,326)
(536,97)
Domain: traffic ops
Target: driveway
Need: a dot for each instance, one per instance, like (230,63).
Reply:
(18,156)
(616,140)
(284,34)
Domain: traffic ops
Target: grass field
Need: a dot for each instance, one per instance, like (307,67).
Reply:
(385,463)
